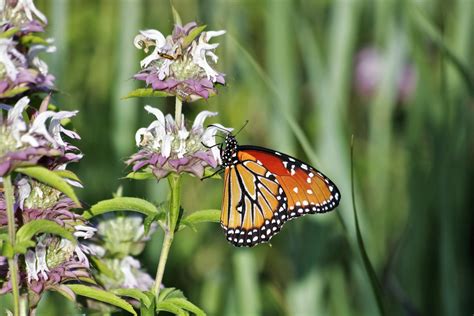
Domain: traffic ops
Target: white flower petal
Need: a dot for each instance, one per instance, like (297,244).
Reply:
(30,260)
(42,267)
(138,136)
(210,34)
(166,145)
(39,126)
(15,113)
(84,231)
(155,35)
(156,112)
(199,120)
(24,190)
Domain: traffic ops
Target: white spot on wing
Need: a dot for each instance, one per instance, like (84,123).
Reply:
(295,189)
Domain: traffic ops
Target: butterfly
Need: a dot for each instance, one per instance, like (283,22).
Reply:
(264,188)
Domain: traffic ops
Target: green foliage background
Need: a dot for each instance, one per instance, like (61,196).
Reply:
(289,67)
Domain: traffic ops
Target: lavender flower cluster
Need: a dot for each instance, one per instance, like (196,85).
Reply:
(33,135)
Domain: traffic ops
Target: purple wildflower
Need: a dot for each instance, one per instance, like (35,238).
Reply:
(370,68)
(179,63)
(20,67)
(166,147)
(41,139)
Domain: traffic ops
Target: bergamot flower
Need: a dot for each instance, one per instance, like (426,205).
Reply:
(52,262)
(166,147)
(20,67)
(23,143)
(182,63)
(21,14)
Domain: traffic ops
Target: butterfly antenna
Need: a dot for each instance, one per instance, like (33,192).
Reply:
(245,124)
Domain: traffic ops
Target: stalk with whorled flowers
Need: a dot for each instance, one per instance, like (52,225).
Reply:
(179,66)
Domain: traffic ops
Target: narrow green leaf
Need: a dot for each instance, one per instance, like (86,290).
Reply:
(187,305)
(170,307)
(103,268)
(374,282)
(170,292)
(150,310)
(210,173)
(134,293)
(9,33)
(101,295)
(33,39)
(427,27)
(176,17)
(67,174)
(7,249)
(122,204)
(140,175)
(64,291)
(192,35)
(146,92)
(13,92)
(204,216)
(50,178)
(25,234)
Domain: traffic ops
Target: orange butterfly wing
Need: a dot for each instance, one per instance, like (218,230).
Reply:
(265,189)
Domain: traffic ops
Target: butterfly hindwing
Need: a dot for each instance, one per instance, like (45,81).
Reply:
(254,204)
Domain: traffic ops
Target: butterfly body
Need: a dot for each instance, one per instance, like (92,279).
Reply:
(264,188)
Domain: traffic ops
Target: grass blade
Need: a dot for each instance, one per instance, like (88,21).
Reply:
(374,282)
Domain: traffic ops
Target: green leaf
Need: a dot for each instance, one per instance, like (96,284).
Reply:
(146,92)
(101,295)
(50,178)
(33,39)
(176,17)
(150,310)
(187,305)
(170,307)
(192,35)
(170,292)
(13,92)
(103,268)
(7,249)
(210,173)
(64,291)
(141,175)
(25,234)
(204,216)
(122,204)
(426,26)
(9,32)
(68,175)
(134,293)
(374,282)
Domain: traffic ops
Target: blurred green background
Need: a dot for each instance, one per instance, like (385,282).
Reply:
(292,72)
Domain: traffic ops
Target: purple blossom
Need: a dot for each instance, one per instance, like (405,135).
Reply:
(370,69)
(180,65)
(166,147)
(20,67)
(39,141)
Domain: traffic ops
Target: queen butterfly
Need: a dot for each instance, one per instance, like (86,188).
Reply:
(264,188)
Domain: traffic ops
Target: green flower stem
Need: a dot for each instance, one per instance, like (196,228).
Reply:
(174,181)
(12,262)
(177,111)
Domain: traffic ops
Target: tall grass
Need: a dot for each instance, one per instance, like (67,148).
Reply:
(290,72)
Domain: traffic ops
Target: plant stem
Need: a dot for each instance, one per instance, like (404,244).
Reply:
(12,262)
(173,215)
(177,111)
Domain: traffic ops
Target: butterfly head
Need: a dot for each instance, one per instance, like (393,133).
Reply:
(229,151)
